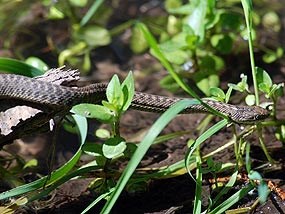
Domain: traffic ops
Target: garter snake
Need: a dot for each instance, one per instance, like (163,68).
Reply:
(54,96)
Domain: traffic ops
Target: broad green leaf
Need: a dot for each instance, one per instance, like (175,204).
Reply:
(177,43)
(231,21)
(114,93)
(183,10)
(103,133)
(263,77)
(263,192)
(222,42)
(114,147)
(93,111)
(173,25)
(218,93)
(172,4)
(192,41)
(272,21)
(93,36)
(138,44)
(78,3)
(55,13)
(177,57)
(93,149)
(250,99)
(169,83)
(254,175)
(196,19)
(31,163)
(128,89)
(228,94)
(264,88)
(242,86)
(206,83)
(37,63)
(110,106)
(130,150)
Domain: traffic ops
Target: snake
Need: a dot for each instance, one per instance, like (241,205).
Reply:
(46,94)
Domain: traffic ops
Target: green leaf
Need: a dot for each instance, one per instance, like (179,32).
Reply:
(177,57)
(103,133)
(263,192)
(171,4)
(169,83)
(114,93)
(114,147)
(263,77)
(31,163)
(78,3)
(272,21)
(254,175)
(130,150)
(250,99)
(110,106)
(37,63)
(264,88)
(176,43)
(228,94)
(18,67)
(242,86)
(218,93)
(128,89)
(183,10)
(93,111)
(192,41)
(223,43)
(93,36)
(173,25)
(55,13)
(197,17)
(93,149)
(138,43)
(231,21)
(207,83)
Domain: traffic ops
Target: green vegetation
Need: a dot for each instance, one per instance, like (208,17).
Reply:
(191,42)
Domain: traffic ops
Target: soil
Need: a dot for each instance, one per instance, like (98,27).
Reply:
(171,195)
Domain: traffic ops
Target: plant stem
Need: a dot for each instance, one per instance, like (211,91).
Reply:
(248,19)
(263,146)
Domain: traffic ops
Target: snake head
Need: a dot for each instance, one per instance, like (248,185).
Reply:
(250,114)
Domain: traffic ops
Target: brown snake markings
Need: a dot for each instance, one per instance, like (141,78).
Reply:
(56,97)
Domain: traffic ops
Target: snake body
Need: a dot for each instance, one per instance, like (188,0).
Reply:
(54,96)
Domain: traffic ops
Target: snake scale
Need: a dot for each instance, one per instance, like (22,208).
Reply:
(54,96)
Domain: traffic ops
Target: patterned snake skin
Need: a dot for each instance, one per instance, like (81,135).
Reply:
(59,97)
